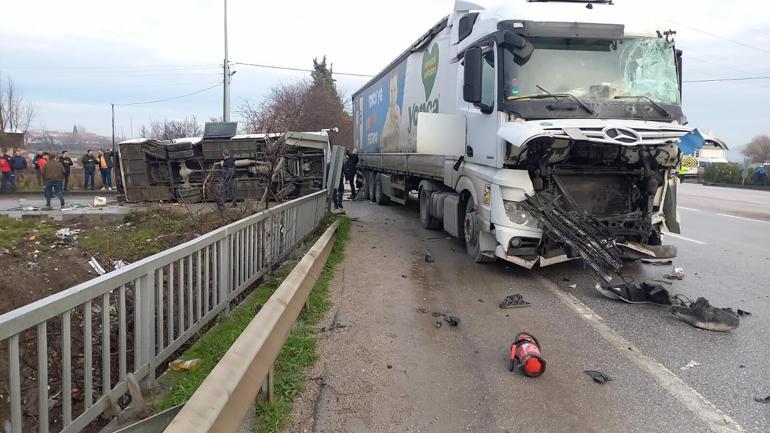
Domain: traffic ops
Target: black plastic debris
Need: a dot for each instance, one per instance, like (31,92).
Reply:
(657,262)
(703,315)
(390,366)
(598,376)
(743,312)
(644,293)
(514,301)
(437,314)
(765,400)
(452,320)
(422,310)
(403,275)
(428,257)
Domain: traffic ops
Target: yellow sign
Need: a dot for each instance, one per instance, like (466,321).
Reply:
(690,162)
(487,193)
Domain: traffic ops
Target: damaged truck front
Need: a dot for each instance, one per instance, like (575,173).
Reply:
(549,133)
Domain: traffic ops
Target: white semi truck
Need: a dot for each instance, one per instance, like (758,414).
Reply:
(534,131)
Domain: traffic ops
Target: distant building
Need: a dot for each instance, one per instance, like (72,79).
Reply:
(11,140)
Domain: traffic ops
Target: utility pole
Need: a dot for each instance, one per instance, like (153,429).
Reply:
(226,71)
(113,126)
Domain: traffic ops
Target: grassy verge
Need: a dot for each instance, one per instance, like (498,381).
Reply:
(12,230)
(299,351)
(296,355)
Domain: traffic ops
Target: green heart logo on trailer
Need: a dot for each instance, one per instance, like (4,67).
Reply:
(429,69)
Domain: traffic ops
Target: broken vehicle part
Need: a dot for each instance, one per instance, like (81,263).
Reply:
(452,320)
(765,400)
(678,274)
(580,232)
(743,312)
(657,262)
(514,301)
(701,314)
(643,293)
(598,376)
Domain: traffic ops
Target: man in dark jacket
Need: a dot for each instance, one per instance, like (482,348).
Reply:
(228,164)
(18,163)
(66,161)
(350,174)
(89,168)
(53,175)
(36,164)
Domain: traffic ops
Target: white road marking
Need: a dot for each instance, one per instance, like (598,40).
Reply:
(688,208)
(712,416)
(743,218)
(674,235)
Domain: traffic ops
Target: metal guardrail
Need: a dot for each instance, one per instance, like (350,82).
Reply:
(133,319)
(223,399)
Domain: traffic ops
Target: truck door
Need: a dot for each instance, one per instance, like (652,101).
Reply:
(482,119)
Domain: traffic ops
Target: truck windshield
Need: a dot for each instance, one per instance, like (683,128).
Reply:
(628,70)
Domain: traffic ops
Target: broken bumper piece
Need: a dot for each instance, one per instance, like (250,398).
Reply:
(634,251)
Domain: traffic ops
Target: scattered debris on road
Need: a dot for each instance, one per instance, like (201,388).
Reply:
(437,314)
(703,315)
(743,312)
(598,376)
(657,262)
(67,235)
(437,323)
(422,310)
(452,320)
(664,282)
(765,400)
(643,293)
(403,275)
(690,365)
(514,301)
(678,274)
(525,354)
(573,286)
(428,257)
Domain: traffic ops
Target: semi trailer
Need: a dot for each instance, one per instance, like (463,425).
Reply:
(534,131)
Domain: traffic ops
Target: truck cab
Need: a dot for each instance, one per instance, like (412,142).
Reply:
(568,101)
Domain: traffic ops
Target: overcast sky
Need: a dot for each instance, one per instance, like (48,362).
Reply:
(73,58)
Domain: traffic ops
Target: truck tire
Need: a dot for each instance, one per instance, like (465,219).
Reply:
(471,232)
(379,197)
(370,178)
(426,219)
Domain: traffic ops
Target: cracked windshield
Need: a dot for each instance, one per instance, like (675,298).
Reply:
(596,69)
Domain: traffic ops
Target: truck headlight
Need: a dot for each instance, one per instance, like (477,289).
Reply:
(518,215)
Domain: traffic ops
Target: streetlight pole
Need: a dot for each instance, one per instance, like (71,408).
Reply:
(226,82)
(113,126)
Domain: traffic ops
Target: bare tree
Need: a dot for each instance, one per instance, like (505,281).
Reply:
(15,114)
(172,129)
(758,150)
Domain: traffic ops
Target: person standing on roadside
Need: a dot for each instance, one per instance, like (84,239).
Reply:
(351,173)
(66,161)
(53,175)
(18,163)
(36,165)
(105,169)
(89,168)
(7,173)
(228,164)
(41,163)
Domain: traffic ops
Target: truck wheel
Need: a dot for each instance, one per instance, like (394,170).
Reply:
(426,219)
(471,232)
(379,197)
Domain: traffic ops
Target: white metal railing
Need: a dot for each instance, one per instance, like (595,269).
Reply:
(133,319)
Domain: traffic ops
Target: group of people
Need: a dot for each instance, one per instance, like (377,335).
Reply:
(53,172)
(348,174)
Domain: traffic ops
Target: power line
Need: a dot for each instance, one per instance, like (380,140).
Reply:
(726,79)
(169,99)
(743,44)
(286,68)
(713,15)
(113,68)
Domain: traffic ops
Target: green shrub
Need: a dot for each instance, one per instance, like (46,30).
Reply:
(723,173)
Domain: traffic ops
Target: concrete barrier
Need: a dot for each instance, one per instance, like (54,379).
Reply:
(223,399)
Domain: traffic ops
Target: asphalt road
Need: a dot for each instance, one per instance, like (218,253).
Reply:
(390,369)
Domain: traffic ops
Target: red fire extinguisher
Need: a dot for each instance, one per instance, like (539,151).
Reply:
(525,353)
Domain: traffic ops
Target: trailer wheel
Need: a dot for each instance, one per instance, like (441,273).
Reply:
(379,197)
(370,188)
(426,219)
(471,233)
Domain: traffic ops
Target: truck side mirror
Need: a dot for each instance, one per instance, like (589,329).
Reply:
(472,75)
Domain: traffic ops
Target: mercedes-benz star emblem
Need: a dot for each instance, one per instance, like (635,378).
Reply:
(624,136)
